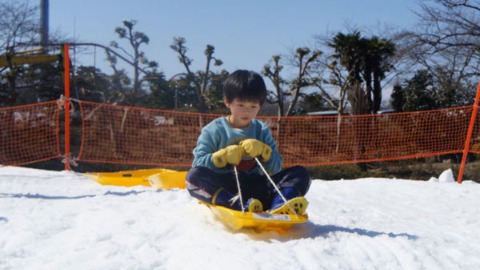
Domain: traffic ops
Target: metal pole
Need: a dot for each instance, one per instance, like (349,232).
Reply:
(176,98)
(176,90)
(44,18)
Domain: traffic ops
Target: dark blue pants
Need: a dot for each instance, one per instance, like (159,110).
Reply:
(202,183)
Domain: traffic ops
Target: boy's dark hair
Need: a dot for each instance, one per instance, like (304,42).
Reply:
(245,85)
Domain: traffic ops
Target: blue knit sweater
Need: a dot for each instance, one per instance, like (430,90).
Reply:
(219,134)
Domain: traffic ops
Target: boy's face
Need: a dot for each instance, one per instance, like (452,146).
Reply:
(242,112)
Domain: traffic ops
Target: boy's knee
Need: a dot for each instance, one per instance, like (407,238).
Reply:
(301,178)
(201,181)
(198,174)
(197,185)
(301,173)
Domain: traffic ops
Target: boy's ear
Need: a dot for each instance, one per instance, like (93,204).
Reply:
(227,104)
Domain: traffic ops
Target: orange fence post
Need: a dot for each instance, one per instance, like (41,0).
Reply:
(66,65)
(469,136)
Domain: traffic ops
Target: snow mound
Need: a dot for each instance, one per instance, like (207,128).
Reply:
(445,177)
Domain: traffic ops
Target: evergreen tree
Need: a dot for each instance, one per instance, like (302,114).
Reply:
(419,92)
(397,98)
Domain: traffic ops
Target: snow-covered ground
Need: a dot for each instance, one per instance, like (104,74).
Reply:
(63,220)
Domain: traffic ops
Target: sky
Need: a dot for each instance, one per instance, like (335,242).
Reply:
(245,34)
(64,220)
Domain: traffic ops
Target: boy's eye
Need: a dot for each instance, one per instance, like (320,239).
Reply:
(245,105)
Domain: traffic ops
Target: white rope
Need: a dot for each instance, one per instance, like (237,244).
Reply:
(239,195)
(275,186)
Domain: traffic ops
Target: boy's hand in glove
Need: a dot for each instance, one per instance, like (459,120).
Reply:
(231,154)
(254,148)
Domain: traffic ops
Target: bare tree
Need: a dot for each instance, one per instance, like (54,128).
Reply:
(304,60)
(447,42)
(18,24)
(135,40)
(199,80)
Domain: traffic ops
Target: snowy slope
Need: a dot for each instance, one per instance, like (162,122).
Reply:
(63,220)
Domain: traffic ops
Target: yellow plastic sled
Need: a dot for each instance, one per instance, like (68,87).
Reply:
(169,179)
(237,220)
(157,178)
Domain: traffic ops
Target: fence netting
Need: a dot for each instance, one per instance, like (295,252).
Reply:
(474,146)
(29,133)
(107,133)
(129,135)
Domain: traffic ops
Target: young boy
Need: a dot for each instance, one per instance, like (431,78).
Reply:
(236,140)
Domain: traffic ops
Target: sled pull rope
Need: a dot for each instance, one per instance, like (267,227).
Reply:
(239,189)
(274,185)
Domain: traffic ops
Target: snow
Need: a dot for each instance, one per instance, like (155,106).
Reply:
(64,220)
(446,176)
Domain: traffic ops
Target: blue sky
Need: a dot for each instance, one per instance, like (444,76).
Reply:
(246,33)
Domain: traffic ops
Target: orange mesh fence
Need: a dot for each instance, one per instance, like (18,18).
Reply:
(128,135)
(29,133)
(312,141)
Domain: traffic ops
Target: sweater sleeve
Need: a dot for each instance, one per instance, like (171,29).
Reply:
(203,151)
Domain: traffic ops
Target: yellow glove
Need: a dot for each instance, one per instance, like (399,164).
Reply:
(254,148)
(231,154)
